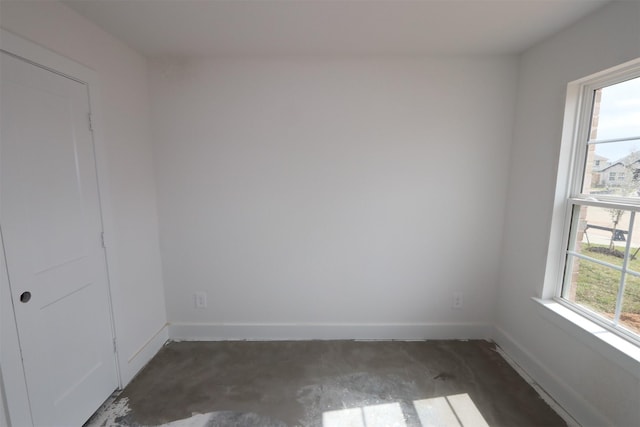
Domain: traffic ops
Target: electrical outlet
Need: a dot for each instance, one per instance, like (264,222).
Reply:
(200,299)
(457,300)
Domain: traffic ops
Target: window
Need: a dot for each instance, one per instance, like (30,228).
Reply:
(597,163)
(600,277)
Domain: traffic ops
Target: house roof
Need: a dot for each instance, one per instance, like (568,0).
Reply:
(625,161)
(604,169)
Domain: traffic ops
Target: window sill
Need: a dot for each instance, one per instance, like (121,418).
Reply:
(609,345)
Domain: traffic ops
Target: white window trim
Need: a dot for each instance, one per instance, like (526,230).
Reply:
(573,319)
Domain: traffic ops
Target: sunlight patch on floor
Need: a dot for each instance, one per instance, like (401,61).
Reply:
(385,415)
(450,411)
(446,411)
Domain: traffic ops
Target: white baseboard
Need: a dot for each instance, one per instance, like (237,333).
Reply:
(322,331)
(143,355)
(568,399)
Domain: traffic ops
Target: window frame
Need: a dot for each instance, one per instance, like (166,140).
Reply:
(571,170)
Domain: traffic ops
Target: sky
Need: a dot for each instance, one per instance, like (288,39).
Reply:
(619,118)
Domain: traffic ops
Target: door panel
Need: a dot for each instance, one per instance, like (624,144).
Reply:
(51,224)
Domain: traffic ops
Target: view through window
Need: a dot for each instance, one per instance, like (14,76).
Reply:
(602,269)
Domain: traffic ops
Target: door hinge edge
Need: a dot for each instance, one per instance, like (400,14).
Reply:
(102,240)
(90,122)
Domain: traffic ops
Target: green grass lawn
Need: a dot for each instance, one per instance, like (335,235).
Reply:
(597,286)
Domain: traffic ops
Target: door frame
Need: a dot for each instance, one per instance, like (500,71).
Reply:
(12,381)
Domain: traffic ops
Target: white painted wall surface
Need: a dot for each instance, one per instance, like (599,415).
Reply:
(593,389)
(138,288)
(331,193)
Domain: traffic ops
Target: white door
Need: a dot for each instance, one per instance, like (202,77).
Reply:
(51,229)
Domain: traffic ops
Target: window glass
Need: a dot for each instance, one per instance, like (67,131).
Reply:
(630,315)
(593,286)
(616,113)
(604,251)
(613,168)
(601,234)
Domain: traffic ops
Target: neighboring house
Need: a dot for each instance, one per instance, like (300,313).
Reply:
(612,174)
(615,174)
(599,163)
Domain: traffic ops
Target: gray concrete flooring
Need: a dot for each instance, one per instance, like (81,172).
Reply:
(332,384)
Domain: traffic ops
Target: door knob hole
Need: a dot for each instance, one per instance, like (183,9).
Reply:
(25,297)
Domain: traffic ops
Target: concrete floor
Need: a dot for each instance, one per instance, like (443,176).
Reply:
(329,384)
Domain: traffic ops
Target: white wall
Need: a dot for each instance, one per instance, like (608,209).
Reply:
(594,389)
(347,192)
(137,287)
